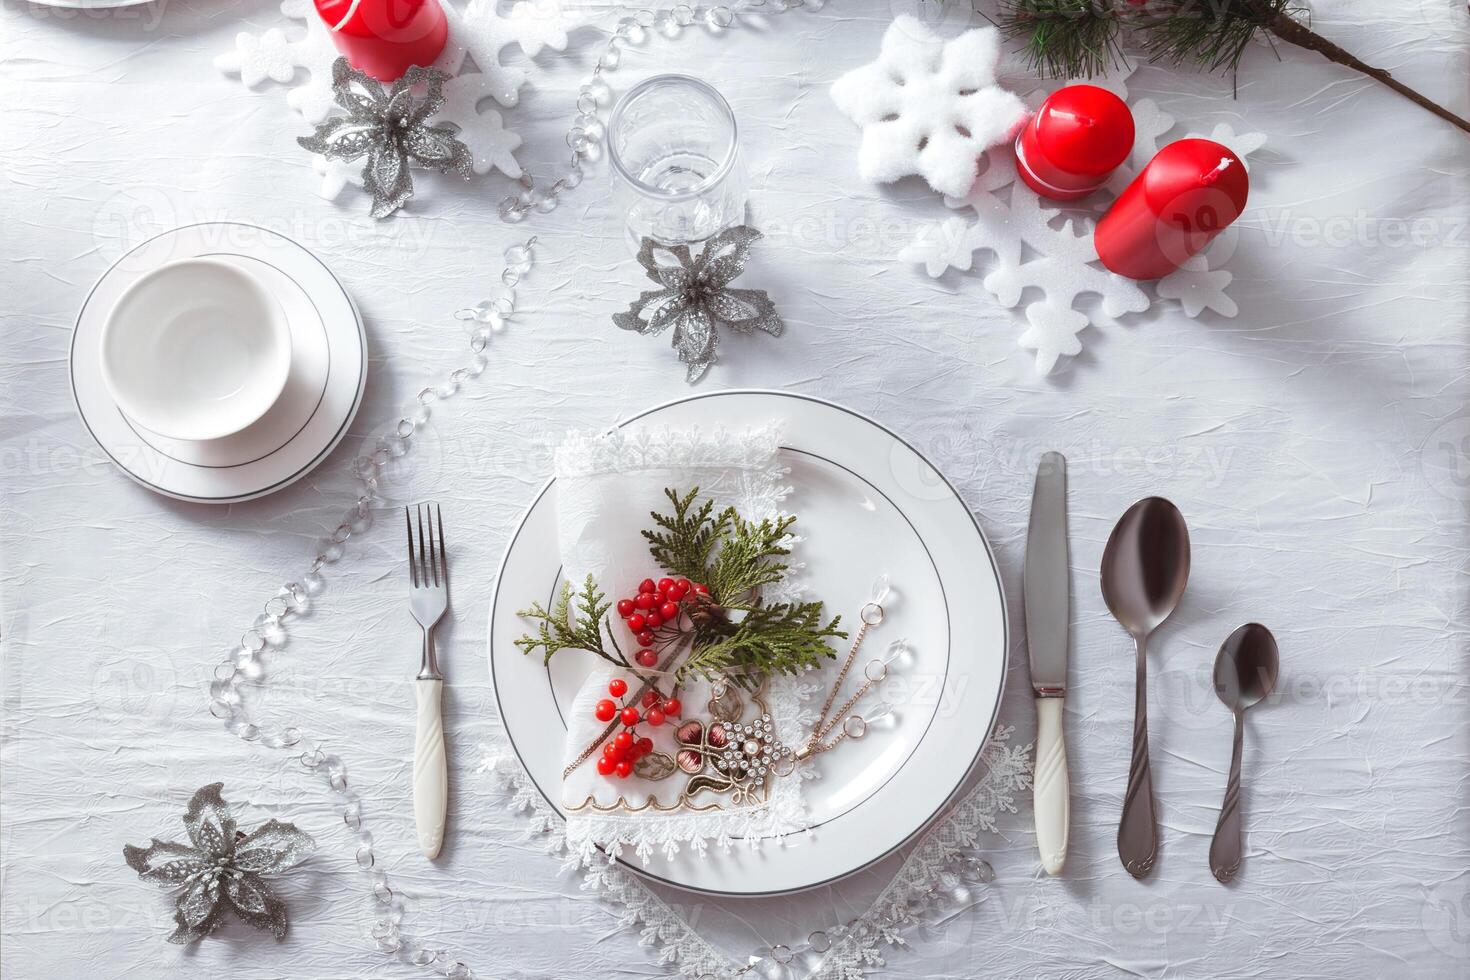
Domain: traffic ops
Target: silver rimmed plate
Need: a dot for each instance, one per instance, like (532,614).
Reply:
(322,394)
(868,504)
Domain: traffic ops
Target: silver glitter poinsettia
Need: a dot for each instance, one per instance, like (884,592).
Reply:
(222,869)
(391,129)
(696,298)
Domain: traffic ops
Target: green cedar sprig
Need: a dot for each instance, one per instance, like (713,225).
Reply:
(748,552)
(780,638)
(689,536)
(736,631)
(566,626)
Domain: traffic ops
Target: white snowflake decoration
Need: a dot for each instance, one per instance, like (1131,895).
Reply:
(929,106)
(1036,245)
(478,34)
(335,175)
(483,132)
(538,23)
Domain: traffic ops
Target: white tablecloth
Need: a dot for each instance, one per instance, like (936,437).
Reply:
(1317,445)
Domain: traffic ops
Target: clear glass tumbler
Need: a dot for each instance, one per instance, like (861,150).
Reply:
(676,168)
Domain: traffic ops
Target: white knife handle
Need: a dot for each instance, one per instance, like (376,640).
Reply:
(1053,796)
(430,771)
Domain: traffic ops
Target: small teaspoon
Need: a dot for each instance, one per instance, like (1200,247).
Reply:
(1245,673)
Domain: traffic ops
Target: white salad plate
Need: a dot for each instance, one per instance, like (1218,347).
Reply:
(867,505)
(322,391)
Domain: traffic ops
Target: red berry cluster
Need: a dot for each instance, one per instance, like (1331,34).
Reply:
(655,605)
(626,747)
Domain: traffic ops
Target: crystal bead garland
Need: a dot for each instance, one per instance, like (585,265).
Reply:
(243,666)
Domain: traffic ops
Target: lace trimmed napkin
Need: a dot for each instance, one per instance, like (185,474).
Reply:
(607,485)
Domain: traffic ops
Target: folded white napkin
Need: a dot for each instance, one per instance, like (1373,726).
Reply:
(606,486)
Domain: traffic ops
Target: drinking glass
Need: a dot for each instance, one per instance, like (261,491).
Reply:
(676,168)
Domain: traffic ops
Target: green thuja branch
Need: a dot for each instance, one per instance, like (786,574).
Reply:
(572,625)
(686,544)
(748,559)
(734,630)
(687,539)
(781,638)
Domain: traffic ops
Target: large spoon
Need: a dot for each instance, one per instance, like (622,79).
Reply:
(1245,672)
(1144,569)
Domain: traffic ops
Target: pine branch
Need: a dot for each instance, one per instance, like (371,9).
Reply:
(781,638)
(688,538)
(1066,38)
(1071,38)
(1212,34)
(566,626)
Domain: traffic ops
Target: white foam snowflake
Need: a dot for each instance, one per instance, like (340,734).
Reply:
(272,55)
(1243,144)
(477,35)
(1196,286)
(1037,245)
(540,23)
(483,132)
(335,175)
(929,106)
(482,34)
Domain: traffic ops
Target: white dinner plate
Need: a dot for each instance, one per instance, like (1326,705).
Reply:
(867,504)
(322,393)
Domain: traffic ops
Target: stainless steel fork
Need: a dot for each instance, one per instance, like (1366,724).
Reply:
(428,597)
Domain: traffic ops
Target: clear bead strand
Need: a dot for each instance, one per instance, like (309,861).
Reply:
(242,665)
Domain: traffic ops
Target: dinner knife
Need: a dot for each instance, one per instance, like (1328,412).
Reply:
(1047,598)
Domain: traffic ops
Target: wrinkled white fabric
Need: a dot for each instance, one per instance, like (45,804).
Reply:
(1314,443)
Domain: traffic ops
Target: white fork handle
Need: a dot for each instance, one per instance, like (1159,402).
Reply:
(430,771)
(1053,796)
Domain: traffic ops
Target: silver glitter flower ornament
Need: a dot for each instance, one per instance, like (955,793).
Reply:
(696,298)
(391,129)
(222,868)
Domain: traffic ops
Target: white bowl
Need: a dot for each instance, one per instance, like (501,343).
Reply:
(196,349)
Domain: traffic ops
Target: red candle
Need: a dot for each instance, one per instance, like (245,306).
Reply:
(1078,136)
(1189,192)
(385,37)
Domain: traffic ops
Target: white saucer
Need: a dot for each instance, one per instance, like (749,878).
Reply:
(323,391)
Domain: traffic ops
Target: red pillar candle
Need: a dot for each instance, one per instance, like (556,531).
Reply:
(1078,136)
(385,37)
(1189,192)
